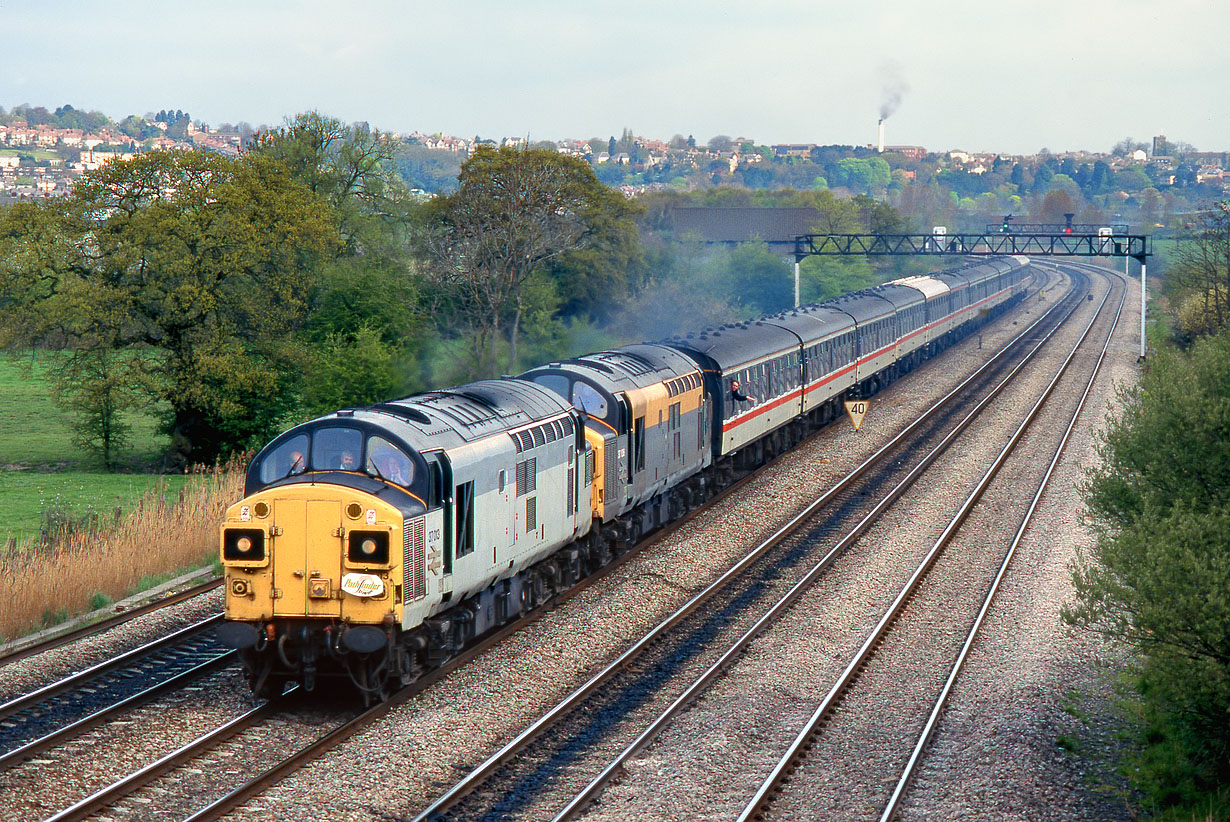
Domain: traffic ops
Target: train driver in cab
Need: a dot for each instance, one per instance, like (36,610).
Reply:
(388,463)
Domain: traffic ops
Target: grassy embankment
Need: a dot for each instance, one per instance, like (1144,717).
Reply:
(143,526)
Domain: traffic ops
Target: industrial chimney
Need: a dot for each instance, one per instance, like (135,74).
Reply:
(880,135)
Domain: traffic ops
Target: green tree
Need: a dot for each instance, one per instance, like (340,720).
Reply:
(98,385)
(1132,178)
(862,175)
(368,285)
(1042,179)
(353,167)
(350,369)
(1159,576)
(198,264)
(1199,276)
(514,214)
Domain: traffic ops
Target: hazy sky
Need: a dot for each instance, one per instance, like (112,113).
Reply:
(981,76)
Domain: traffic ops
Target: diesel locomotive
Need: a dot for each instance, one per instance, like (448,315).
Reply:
(374,543)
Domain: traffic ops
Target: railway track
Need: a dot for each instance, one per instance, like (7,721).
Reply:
(183,759)
(191,786)
(526,777)
(44,718)
(58,639)
(788,788)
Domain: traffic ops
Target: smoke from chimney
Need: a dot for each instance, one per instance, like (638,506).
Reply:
(894,89)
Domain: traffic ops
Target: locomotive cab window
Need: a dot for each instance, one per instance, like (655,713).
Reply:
(336,449)
(587,399)
(387,462)
(288,458)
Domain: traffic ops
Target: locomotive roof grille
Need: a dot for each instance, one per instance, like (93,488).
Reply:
(400,411)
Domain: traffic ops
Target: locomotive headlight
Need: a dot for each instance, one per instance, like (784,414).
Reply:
(368,547)
(243,544)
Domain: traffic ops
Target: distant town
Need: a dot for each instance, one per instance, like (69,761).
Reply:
(42,153)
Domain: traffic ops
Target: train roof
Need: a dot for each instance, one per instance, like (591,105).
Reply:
(812,322)
(927,284)
(628,367)
(864,306)
(901,296)
(464,413)
(735,344)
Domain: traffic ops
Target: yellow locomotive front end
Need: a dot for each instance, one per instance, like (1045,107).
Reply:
(313,563)
(312,551)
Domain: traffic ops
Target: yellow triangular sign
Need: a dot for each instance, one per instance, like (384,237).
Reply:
(857,409)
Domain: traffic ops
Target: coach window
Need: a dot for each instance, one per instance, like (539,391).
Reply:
(288,458)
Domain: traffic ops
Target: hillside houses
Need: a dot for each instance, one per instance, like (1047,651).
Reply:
(43,161)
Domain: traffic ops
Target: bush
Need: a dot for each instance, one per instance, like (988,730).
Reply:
(1159,576)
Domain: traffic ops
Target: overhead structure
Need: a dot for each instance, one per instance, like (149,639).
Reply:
(1066,240)
(985,244)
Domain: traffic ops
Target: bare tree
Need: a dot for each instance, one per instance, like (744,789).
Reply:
(514,212)
(1201,271)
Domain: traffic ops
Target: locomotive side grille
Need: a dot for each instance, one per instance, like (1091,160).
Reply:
(527,476)
(572,490)
(611,472)
(531,514)
(589,468)
(414,561)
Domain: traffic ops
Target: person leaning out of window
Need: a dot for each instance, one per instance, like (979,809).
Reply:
(737,395)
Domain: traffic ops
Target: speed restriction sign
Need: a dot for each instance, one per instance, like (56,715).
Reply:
(857,409)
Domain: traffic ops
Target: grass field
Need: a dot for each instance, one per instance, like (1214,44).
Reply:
(35,431)
(75,494)
(43,471)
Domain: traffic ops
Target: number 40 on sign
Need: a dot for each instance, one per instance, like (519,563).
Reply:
(857,409)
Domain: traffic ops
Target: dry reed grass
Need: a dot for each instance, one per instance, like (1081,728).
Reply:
(42,584)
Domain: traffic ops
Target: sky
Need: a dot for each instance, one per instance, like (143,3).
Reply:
(1014,78)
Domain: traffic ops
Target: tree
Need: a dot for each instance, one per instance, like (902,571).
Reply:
(1200,273)
(352,167)
(367,288)
(1055,205)
(862,175)
(1042,179)
(196,264)
(350,369)
(1158,578)
(99,385)
(1126,146)
(514,214)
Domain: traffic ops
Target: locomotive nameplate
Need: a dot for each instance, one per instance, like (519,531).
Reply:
(363,585)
